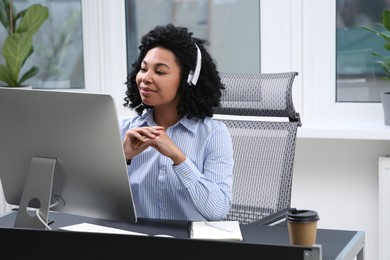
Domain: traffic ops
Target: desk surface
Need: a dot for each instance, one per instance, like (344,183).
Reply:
(335,244)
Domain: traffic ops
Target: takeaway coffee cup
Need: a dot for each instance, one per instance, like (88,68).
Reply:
(302,227)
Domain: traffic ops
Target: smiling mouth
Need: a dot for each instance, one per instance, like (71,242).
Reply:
(146,91)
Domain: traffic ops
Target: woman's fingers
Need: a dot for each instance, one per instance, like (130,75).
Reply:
(145,133)
(142,135)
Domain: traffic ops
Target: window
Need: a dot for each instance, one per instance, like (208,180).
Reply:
(58,46)
(238,31)
(358,75)
(312,51)
(231,27)
(293,35)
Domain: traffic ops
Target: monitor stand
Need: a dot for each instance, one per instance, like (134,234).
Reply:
(37,189)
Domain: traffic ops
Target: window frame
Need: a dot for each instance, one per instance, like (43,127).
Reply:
(308,39)
(291,45)
(104,43)
(311,54)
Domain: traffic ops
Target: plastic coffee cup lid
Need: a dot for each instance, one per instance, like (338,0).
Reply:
(302,215)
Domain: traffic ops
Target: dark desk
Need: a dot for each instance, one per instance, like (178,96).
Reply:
(260,242)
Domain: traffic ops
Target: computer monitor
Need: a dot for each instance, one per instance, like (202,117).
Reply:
(63,149)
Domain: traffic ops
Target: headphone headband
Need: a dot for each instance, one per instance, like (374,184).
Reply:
(193,76)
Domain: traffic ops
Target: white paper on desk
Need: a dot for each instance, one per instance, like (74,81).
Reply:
(87,227)
(227,230)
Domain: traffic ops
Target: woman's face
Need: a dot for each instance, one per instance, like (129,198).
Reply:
(158,80)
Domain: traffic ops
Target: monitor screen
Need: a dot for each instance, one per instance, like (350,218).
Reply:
(77,136)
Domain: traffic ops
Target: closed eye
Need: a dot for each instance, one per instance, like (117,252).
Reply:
(160,72)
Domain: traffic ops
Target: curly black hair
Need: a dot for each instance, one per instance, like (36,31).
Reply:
(194,101)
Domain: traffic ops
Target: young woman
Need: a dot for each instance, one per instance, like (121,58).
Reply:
(180,159)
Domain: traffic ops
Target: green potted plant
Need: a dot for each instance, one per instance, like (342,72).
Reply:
(18,45)
(384,60)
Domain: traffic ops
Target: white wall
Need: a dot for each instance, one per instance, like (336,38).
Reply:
(339,179)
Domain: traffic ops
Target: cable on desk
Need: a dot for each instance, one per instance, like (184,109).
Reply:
(58,201)
(40,219)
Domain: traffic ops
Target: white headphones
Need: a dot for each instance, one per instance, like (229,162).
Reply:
(194,75)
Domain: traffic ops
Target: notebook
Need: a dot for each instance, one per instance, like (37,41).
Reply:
(225,230)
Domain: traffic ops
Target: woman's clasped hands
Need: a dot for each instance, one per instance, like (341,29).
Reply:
(138,139)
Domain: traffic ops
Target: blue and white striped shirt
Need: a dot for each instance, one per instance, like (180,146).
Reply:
(198,189)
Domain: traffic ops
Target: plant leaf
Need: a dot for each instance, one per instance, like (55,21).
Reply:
(369,29)
(376,54)
(385,35)
(15,50)
(28,74)
(386,19)
(34,17)
(3,15)
(5,76)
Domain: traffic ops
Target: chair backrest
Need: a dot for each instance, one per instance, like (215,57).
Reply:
(259,112)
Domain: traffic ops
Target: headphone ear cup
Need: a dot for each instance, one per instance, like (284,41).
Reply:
(190,77)
(194,75)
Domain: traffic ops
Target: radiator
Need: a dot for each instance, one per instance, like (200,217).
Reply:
(384,208)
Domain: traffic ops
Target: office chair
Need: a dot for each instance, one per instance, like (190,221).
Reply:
(259,113)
